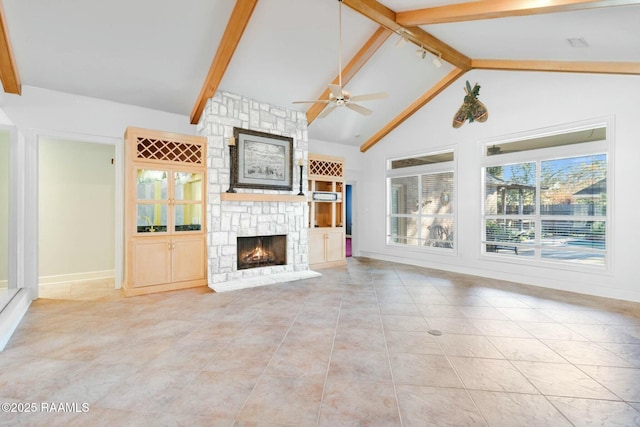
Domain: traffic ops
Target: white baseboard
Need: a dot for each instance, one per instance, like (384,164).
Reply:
(11,316)
(76,277)
(530,280)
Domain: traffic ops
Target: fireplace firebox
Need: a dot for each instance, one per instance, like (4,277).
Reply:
(261,251)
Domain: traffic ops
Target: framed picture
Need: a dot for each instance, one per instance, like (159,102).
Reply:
(262,160)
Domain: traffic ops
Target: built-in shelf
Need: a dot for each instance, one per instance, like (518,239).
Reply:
(165,207)
(250,197)
(326,211)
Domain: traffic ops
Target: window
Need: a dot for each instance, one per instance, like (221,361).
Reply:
(421,201)
(545,198)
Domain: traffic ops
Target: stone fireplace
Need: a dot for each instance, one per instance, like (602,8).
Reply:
(252,212)
(261,251)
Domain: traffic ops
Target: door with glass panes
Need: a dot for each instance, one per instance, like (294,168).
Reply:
(169,245)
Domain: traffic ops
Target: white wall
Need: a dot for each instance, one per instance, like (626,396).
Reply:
(47,109)
(517,102)
(351,154)
(4,208)
(76,210)
(40,112)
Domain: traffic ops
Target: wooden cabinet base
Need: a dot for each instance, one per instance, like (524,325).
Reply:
(145,290)
(331,264)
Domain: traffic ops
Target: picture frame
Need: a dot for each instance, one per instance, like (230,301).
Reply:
(262,160)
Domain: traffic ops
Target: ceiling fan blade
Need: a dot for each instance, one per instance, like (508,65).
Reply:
(336,90)
(370,96)
(327,111)
(359,108)
(324,101)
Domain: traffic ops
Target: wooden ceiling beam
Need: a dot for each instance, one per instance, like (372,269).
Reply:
(476,10)
(375,11)
(236,25)
(454,75)
(364,54)
(406,23)
(8,70)
(558,66)
(386,17)
(421,38)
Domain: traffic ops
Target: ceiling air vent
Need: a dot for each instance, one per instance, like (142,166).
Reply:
(578,42)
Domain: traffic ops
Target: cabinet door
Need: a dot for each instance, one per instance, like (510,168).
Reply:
(188,258)
(151,262)
(188,209)
(152,200)
(335,245)
(316,247)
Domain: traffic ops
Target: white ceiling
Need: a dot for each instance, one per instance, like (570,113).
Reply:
(156,53)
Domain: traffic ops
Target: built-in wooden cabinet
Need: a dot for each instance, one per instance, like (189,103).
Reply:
(326,187)
(165,194)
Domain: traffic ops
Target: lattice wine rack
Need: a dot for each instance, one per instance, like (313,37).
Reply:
(167,150)
(325,168)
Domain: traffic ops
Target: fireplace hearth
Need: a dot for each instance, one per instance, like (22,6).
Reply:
(261,251)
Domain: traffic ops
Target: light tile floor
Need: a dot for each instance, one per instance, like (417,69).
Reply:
(351,348)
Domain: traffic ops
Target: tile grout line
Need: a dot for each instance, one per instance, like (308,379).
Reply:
(386,346)
(333,342)
(444,353)
(261,376)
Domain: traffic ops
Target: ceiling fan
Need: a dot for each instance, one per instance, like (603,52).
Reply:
(338,97)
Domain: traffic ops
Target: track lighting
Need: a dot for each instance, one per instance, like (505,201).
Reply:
(422,53)
(403,37)
(437,61)
(401,42)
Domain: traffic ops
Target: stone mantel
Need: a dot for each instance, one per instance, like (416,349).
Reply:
(251,197)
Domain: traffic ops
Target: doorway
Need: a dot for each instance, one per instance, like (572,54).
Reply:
(348,224)
(76,217)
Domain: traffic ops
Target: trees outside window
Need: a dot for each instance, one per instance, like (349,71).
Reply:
(551,207)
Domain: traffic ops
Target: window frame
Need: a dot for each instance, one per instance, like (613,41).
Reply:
(419,171)
(605,146)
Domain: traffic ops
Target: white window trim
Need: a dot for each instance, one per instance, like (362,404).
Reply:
(606,146)
(451,166)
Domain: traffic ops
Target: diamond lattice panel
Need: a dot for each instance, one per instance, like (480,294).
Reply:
(160,149)
(325,168)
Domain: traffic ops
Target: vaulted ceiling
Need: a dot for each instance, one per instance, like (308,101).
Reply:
(172,55)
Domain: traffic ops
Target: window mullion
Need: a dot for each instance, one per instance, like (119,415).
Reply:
(537,241)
